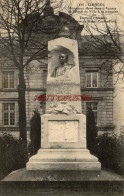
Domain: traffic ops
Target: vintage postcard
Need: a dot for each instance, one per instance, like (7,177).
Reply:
(62,91)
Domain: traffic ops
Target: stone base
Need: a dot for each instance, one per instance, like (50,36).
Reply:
(63,159)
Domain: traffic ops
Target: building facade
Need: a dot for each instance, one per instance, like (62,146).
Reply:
(93,78)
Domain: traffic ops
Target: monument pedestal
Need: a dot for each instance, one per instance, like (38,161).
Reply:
(63,145)
(64,159)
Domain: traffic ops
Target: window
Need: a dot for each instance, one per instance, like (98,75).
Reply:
(8,79)
(8,114)
(92,79)
(93,106)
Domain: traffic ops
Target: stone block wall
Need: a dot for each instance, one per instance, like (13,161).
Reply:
(8,96)
(104,106)
(35,77)
(102,95)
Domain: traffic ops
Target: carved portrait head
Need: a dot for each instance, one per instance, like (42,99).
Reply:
(63,58)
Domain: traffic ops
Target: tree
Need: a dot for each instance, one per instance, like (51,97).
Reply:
(16,37)
(108,41)
(26,27)
(102,37)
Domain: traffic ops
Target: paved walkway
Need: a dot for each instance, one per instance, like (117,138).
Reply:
(57,192)
(24,175)
(62,183)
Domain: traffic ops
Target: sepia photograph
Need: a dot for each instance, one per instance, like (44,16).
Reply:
(62,97)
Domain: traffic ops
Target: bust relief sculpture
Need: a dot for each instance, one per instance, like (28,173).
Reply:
(64,65)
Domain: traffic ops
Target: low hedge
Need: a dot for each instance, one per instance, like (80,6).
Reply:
(13,154)
(110,151)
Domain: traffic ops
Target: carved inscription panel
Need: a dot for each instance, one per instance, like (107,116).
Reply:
(63,131)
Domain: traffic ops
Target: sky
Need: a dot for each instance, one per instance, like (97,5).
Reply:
(113,11)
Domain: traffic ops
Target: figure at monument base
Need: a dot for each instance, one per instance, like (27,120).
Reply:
(63,130)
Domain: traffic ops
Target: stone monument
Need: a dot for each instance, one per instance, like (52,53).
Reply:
(63,126)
